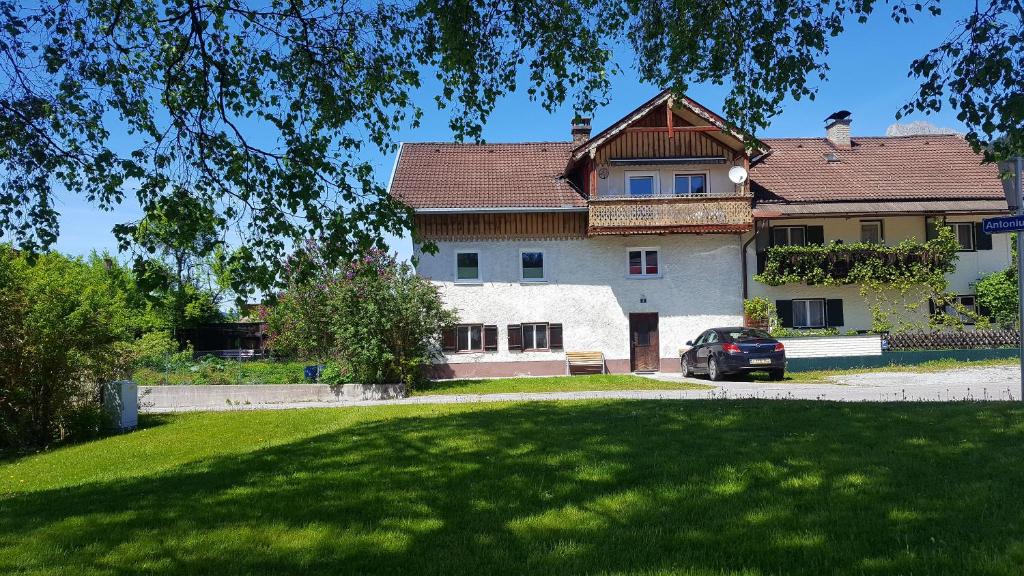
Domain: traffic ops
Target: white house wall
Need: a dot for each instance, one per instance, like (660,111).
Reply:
(717,178)
(589,293)
(970,266)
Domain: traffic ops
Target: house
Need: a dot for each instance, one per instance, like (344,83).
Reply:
(632,241)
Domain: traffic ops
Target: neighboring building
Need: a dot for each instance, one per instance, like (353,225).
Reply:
(635,240)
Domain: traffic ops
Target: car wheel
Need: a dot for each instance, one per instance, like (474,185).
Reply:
(713,372)
(684,368)
(777,374)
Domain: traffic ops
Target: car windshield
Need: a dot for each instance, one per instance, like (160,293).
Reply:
(748,334)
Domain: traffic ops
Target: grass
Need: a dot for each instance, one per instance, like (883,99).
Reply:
(818,376)
(224,372)
(687,488)
(595,382)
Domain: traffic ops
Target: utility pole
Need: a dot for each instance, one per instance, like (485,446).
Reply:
(1019,196)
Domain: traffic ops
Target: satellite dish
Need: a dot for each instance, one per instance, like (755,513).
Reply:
(738,174)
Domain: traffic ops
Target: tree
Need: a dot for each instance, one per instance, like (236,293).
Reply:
(263,112)
(64,330)
(180,260)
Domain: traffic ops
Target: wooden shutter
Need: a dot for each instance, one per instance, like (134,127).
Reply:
(449,340)
(491,338)
(515,337)
(762,261)
(982,241)
(834,313)
(785,310)
(983,311)
(555,336)
(814,235)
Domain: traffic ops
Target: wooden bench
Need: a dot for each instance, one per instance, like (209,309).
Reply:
(584,363)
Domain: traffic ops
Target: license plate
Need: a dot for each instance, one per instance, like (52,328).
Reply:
(760,360)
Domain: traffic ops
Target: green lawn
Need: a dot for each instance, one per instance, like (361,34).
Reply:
(695,487)
(553,384)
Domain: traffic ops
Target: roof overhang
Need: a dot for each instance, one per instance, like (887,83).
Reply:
(765,211)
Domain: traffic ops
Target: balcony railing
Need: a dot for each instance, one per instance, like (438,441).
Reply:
(638,215)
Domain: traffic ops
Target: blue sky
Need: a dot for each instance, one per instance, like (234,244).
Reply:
(868,77)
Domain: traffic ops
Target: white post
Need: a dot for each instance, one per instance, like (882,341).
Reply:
(1019,185)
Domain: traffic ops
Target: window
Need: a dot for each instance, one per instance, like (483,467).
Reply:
(962,307)
(808,313)
(789,236)
(531,266)
(643,262)
(871,231)
(691,185)
(964,235)
(467,266)
(470,338)
(642,183)
(535,336)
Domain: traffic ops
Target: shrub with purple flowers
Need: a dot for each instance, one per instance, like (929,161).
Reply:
(372,320)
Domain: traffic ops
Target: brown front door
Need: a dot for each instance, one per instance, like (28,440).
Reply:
(643,342)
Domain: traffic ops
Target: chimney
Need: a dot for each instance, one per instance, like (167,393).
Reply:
(580,130)
(837,129)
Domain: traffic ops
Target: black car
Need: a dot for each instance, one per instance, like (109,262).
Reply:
(721,351)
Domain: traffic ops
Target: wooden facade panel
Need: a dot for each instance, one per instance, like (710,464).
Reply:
(501,226)
(652,144)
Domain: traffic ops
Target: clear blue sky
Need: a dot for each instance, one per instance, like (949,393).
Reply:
(869,77)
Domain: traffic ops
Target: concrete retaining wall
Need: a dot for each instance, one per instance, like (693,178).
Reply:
(187,397)
(902,358)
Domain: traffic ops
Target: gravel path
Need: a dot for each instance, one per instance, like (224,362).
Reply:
(987,383)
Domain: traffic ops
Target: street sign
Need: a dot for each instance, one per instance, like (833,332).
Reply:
(1003,224)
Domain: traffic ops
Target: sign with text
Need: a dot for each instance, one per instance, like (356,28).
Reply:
(1003,224)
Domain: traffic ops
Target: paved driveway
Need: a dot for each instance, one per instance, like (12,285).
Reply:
(986,383)
(989,383)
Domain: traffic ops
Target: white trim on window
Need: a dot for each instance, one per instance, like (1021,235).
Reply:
(655,185)
(455,263)
(535,328)
(468,329)
(970,234)
(707,181)
(806,303)
(644,250)
(543,266)
(875,223)
(789,235)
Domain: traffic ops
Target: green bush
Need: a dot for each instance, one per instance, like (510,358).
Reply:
(159,350)
(210,370)
(63,331)
(375,317)
(997,293)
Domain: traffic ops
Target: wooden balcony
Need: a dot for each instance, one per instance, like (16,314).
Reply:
(670,214)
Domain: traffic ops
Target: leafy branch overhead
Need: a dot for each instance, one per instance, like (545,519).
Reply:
(265,112)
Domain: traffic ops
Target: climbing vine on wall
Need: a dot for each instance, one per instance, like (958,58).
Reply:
(896,281)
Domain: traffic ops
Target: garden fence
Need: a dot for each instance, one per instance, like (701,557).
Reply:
(953,340)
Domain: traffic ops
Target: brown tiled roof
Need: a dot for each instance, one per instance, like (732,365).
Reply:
(445,175)
(897,168)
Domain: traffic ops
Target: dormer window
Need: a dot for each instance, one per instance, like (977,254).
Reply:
(642,183)
(691,185)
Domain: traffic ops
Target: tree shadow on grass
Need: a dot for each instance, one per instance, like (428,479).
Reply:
(718,487)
